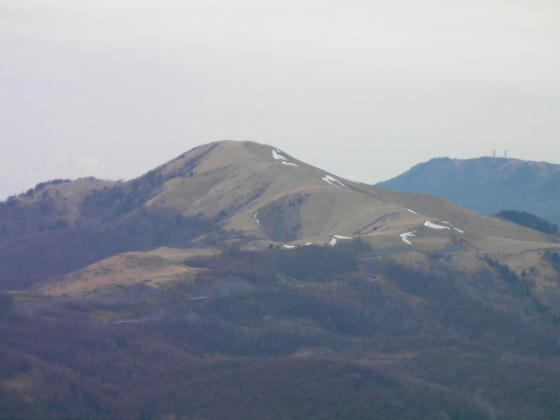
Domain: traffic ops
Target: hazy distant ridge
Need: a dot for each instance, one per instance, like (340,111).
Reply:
(488,185)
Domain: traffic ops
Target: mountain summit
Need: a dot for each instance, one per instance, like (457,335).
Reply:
(270,195)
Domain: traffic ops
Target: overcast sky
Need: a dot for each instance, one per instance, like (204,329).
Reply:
(362,88)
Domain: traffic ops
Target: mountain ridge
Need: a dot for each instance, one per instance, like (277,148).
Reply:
(487,185)
(245,192)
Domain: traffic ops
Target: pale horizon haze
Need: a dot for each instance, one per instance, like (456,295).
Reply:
(363,89)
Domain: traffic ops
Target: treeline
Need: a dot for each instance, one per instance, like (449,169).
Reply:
(112,202)
(29,259)
(520,286)
(309,263)
(115,201)
(528,220)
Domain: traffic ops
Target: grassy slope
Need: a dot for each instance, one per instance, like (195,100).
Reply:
(154,268)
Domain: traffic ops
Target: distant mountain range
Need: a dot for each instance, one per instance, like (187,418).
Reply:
(488,185)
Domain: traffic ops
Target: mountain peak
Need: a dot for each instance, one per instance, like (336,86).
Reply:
(237,178)
(222,154)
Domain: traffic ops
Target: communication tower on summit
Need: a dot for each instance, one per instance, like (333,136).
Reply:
(505,153)
(494,153)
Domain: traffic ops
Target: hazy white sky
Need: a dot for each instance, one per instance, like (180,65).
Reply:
(113,88)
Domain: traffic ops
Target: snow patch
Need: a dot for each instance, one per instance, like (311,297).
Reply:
(256,216)
(336,238)
(342,237)
(412,211)
(405,235)
(308,244)
(276,155)
(286,246)
(333,181)
(453,227)
(435,226)
(289,163)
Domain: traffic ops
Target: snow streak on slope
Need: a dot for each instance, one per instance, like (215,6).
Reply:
(454,228)
(445,226)
(435,226)
(335,239)
(333,181)
(276,155)
(404,236)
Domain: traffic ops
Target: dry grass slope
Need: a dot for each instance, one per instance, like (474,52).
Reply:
(154,268)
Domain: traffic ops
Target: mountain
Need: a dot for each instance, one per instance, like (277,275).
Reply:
(237,281)
(488,185)
(240,190)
